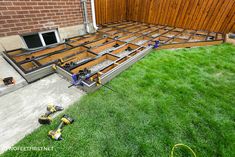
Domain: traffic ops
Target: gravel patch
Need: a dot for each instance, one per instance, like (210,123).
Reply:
(100,66)
(130,39)
(183,37)
(155,35)
(85,59)
(107,50)
(194,40)
(123,53)
(169,36)
(141,42)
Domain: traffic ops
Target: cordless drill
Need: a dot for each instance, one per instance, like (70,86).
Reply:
(46,118)
(56,134)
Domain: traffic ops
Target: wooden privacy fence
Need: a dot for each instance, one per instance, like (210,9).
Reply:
(110,10)
(211,15)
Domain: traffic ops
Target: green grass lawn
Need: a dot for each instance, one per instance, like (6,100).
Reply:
(169,97)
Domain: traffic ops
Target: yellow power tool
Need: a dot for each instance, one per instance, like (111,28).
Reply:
(57,133)
(46,118)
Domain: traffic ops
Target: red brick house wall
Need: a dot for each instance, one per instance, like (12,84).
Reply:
(27,16)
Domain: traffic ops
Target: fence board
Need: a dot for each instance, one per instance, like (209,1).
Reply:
(210,15)
(110,11)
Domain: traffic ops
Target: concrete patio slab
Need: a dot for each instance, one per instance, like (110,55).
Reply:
(19,110)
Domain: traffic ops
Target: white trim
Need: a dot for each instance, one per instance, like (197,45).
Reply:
(56,34)
(23,41)
(42,39)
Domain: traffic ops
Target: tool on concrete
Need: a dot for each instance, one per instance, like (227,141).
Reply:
(51,109)
(8,81)
(57,133)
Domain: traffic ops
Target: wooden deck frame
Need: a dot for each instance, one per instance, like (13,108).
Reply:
(108,36)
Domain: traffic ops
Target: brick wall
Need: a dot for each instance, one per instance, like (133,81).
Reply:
(26,16)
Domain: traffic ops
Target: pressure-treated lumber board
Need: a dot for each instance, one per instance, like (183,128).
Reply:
(192,44)
(41,52)
(57,56)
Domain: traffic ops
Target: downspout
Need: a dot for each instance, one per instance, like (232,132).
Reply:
(85,16)
(93,14)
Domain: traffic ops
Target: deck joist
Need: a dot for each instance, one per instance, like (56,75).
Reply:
(109,51)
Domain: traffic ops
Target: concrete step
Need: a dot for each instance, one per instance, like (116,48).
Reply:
(6,70)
